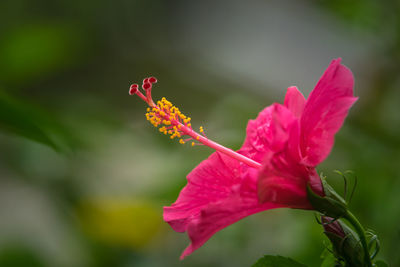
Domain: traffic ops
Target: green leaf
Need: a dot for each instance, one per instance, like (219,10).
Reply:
(24,120)
(329,260)
(277,261)
(381,263)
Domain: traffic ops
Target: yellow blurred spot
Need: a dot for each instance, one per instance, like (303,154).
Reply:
(121,222)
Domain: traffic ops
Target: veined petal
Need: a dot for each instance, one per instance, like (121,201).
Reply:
(287,190)
(211,181)
(220,215)
(220,191)
(283,181)
(268,132)
(294,101)
(324,112)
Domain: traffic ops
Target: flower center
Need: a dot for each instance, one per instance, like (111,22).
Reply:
(176,124)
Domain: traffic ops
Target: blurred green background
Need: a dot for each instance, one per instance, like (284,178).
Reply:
(84,176)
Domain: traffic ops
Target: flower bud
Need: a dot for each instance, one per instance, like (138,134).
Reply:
(345,242)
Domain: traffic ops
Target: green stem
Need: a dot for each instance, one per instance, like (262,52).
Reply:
(361,233)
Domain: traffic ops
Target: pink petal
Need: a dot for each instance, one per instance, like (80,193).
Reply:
(273,139)
(289,191)
(211,181)
(268,132)
(325,111)
(283,181)
(220,191)
(294,101)
(220,215)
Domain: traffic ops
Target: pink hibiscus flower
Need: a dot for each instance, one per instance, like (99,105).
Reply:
(277,161)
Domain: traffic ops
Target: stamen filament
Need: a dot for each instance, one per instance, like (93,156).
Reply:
(135,90)
(220,148)
(214,145)
(177,124)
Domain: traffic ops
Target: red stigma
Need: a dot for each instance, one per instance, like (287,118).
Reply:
(146,86)
(133,89)
(152,80)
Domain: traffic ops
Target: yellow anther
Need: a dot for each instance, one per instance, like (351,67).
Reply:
(166,114)
(193,143)
(201,129)
(197,137)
